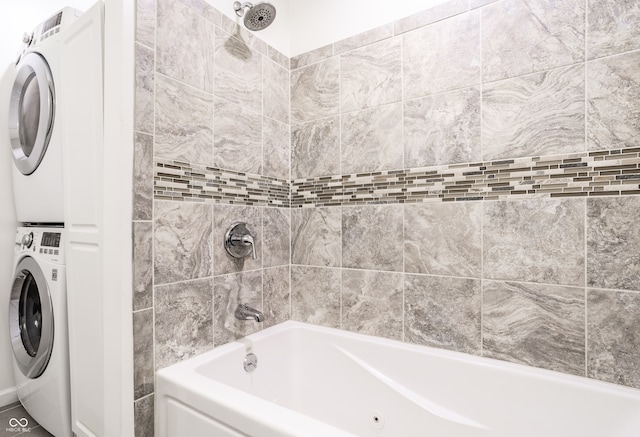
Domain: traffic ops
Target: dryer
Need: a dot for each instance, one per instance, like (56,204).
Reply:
(34,123)
(38,327)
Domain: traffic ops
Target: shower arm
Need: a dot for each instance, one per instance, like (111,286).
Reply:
(240,8)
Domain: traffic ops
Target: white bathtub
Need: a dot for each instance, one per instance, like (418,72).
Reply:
(313,381)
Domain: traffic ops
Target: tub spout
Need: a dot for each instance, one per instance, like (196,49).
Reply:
(245,312)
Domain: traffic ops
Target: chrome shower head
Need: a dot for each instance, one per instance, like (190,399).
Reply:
(256,17)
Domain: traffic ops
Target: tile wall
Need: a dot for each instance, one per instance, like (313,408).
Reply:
(465,178)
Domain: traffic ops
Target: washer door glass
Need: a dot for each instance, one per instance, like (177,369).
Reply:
(31,318)
(31,112)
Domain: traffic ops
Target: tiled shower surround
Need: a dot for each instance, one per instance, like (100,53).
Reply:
(465,178)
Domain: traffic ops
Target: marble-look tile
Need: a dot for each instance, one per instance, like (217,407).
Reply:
(315,91)
(276,295)
(535,240)
(183,320)
(371,76)
(238,31)
(143,368)
(146,22)
(205,9)
(372,303)
(276,138)
(311,57)
(538,114)
(613,26)
(613,102)
(228,292)
(238,72)
(315,148)
(442,129)
(277,228)
(184,118)
(443,312)
(525,36)
(276,92)
(144,115)
(429,16)
(443,239)
(473,4)
(612,243)
(372,140)
(184,45)
(279,58)
(237,138)
(224,217)
(372,237)
(613,337)
(315,295)
(143,417)
(142,265)
(442,56)
(362,39)
(142,176)
(316,236)
(182,241)
(537,325)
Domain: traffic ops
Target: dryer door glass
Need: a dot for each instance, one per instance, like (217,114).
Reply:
(31,112)
(31,318)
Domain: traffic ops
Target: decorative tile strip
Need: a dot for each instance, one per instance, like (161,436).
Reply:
(175,180)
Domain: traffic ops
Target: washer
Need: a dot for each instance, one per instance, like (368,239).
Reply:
(34,123)
(38,327)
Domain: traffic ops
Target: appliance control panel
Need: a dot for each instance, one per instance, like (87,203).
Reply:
(41,242)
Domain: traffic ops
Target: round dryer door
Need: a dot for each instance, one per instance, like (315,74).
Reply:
(31,112)
(31,318)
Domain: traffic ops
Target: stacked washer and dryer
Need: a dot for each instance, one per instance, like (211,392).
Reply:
(38,297)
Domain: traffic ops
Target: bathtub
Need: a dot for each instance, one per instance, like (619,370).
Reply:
(313,381)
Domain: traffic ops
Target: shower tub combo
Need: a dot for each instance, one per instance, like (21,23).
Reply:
(295,379)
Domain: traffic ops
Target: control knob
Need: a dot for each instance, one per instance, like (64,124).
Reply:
(27,240)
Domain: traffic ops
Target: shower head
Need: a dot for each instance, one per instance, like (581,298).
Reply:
(256,17)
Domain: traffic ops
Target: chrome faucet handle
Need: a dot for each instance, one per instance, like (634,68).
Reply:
(239,241)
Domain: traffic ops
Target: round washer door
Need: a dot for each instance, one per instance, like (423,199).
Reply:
(31,318)
(31,112)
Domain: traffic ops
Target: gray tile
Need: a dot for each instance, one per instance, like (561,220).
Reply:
(613,26)
(17,411)
(143,416)
(276,137)
(521,37)
(443,312)
(240,32)
(316,236)
(362,39)
(238,72)
(277,230)
(442,56)
(143,368)
(142,265)
(183,320)
(315,295)
(537,325)
(372,303)
(229,291)
(443,239)
(371,76)
(144,89)
(224,217)
(442,129)
(613,337)
(372,140)
(182,241)
(184,118)
(237,137)
(372,237)
(473,4)
(535,240)
(315,148)
(431,15)
(538,114)
(315,91)
(276,92)
(142,176)
(205,9)
(613,102)
(279,58)
(184,45)
(311,57)
(276,295)
(612,243)
(146,22)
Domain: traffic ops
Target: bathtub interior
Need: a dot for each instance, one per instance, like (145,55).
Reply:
(367,385)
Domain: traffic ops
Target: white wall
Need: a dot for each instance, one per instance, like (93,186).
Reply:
(19,16)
